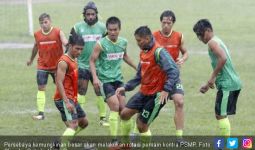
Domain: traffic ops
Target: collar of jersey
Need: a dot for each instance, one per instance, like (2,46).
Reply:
(46,33)
(69,57)
(167,35)
(112,41)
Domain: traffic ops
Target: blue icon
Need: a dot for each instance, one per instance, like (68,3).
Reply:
(219,143)
(232,143)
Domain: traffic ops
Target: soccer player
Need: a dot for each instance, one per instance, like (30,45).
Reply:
(223,76)
(91,30)
(173,42)
(49,42)
(67,89)
(159,78)
(107,77)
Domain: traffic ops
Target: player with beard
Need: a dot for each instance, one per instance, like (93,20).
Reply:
(91,30)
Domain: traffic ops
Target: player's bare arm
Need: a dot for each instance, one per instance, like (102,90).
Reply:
(221,56)
(129,61)
(131,84)
(184,53)
(63,39)
(61,71)
(94,56)
(34,52)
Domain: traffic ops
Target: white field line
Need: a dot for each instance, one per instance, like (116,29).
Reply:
(47,110)
(92,110)
(26,111)
(15,2)
(16,45)
(30,46)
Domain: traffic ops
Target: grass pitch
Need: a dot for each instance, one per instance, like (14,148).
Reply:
(232,22)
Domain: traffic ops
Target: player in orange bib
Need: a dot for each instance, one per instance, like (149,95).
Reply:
(67,90)
(158,75)
(173,42)
(49,42)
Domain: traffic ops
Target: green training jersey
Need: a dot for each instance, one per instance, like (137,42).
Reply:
(227,79)
(110,58)
(90,34)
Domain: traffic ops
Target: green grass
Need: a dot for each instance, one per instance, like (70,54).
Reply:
(232,21)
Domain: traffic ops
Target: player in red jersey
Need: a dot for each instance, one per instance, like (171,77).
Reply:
(49,42)
(67,89)
(173,42)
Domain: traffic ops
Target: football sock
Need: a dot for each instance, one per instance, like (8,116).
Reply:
(67,136)
(114,121)
(81,100)
(101,105)
(179,133)
(79,129)
(224,126)
(146,138)
(135,130)
(125,130)
(40,101)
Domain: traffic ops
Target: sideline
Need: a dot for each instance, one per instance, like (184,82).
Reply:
(30,46)
(16,45)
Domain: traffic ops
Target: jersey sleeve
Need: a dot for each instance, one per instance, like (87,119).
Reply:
(131,84)
(169,66)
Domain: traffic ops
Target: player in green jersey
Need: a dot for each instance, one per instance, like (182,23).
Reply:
(223,76)
(109,52)
(91,30)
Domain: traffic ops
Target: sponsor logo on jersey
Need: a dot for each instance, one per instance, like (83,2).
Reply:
(115,56)
(145,62)
(47,42)
(91,37)
(171,46)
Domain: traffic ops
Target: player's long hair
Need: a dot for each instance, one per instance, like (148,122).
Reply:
(90,5)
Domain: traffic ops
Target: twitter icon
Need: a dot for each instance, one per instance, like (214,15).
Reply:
(232,143)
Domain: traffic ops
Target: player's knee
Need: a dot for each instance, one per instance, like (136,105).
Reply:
(82,91)
(179,102)
(124,115)
(83,123)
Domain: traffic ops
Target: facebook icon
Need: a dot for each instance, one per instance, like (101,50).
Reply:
(219,143)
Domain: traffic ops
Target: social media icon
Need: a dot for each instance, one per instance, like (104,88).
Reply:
(219,143)
(232,143)
(247,143)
